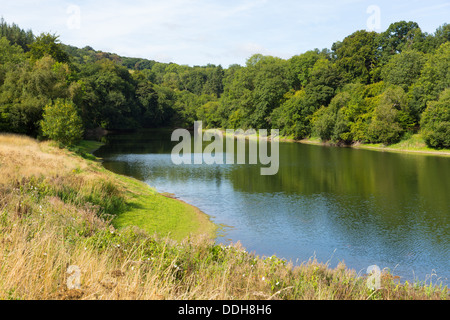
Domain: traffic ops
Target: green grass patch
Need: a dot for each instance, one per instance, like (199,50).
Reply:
(411,144)
(156,213)
(90,145)
(414,143)
(85,148)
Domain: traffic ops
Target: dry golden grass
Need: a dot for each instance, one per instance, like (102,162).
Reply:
(53,215)
(21,156)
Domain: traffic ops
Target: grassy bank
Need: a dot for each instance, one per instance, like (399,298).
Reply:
(151,211)
(413,144)
(57,210)
(156,213)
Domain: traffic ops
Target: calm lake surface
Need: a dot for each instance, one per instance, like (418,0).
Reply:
(335,204)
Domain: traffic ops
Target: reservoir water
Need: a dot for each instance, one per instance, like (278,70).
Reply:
(333,204)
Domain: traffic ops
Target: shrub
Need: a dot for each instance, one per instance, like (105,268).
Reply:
(384,127)
(62,123)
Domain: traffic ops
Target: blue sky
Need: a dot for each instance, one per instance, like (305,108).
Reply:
(198,32)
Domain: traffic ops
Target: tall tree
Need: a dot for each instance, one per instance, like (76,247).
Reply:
(16,35)
(434,78)
(28,88)
(270,85)
(48,44)
(398,37)
(404,69)
(357,56)
(109,99)
(300,67)
(325,79)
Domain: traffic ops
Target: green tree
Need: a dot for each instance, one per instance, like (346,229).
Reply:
(166,99)
(442,35)
(323,122)
(214,80)
(48,44)
(270,84)
(10,56)
(391,116)
(357,56)
(237,99)
(293,116)
(341,130)
(435,122)
(109,99)
(434,79)
(153,115)
(62,123)
(27,88)
(10,53)
(300,67)
(398,37)
(16,35)
(356,102)
(209,113)
(384,126)
(324,81)
(396,97)
(403,69)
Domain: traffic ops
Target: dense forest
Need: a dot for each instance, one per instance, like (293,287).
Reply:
(369,87)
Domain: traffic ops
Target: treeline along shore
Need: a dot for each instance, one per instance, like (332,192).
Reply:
(377,88)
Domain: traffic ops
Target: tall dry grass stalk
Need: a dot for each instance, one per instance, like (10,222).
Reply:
(54,210)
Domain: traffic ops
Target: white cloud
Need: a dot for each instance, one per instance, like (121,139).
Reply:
(212,31)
